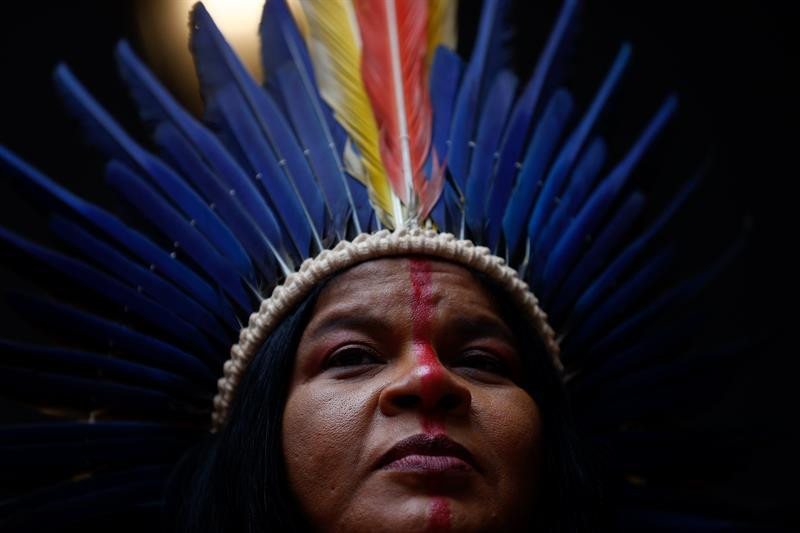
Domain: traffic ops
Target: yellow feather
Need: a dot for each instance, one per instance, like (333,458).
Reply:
(441,26)
(334,43)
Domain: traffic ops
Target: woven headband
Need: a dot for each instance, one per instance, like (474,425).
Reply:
(363,248)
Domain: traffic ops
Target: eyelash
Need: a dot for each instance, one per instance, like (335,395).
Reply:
(477,360)
(339,358)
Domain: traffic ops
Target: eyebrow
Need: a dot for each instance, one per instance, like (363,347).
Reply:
(352,319)
(475,326)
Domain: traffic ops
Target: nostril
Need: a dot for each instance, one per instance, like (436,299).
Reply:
(407,401)
(449,401)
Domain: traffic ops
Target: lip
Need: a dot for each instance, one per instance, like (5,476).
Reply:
(427,454)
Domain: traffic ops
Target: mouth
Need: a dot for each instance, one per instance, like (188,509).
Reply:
(427,454)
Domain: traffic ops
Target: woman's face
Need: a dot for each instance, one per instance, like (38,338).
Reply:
(405,410)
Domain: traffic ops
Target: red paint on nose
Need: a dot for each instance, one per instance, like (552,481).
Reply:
(430,373)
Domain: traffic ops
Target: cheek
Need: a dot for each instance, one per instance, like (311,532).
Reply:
(512,426)
(323,435)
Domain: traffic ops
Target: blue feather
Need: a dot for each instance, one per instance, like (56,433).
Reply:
(617,302)
(129,299)
(85,505)
(60,360)
(572,241)
(71,431)
(281,192)
(543,144)
(522,116)
(554,182)
(598,252)
(94,484)
(586,171)
(284,53)
(700,376)
(104,334)
(193,147)
(43,456)
(143,279)
(226,84)
(225,201)
(139,245)
(598,288)
(98,124)
(445,78)
(493,118)
(309,124)
(668,338)
(134,190)
(85,393)
(282,43)
(480,71)
(678,297)
(295,165)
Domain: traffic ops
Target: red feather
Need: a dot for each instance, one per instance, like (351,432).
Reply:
(394,37)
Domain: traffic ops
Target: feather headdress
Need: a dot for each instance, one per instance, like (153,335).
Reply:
(368,120)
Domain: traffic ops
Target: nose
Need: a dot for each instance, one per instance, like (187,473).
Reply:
(423,384)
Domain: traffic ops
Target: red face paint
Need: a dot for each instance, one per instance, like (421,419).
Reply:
(430,372)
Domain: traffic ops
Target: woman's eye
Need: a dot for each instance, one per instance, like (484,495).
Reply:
(352,356)
(484,362)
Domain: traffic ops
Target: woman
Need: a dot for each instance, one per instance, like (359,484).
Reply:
(404,394)
(393,380)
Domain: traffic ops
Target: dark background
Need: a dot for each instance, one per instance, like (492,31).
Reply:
(731,67)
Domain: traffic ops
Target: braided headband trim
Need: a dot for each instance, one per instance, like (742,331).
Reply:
(363,248)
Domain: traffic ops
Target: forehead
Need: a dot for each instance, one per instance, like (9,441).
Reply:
(386,283)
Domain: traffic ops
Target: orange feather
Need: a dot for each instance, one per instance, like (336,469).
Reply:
(394,35)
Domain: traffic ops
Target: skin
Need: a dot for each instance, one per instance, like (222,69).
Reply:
(399,347)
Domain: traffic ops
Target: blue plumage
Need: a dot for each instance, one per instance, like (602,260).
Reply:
(521,121)
(201,157)
(478,74)
(134,190)
(582,180)
(84,363)
(125,298)
(599,202)
(99,125)
(605,242)
(628,292)
(136,276)
(498,102)
(225,201)
(554,183)
(319,148)
(598,288)
(540,150)
(104,334)
(232,97)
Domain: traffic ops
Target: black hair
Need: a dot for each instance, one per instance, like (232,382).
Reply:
(236,479)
